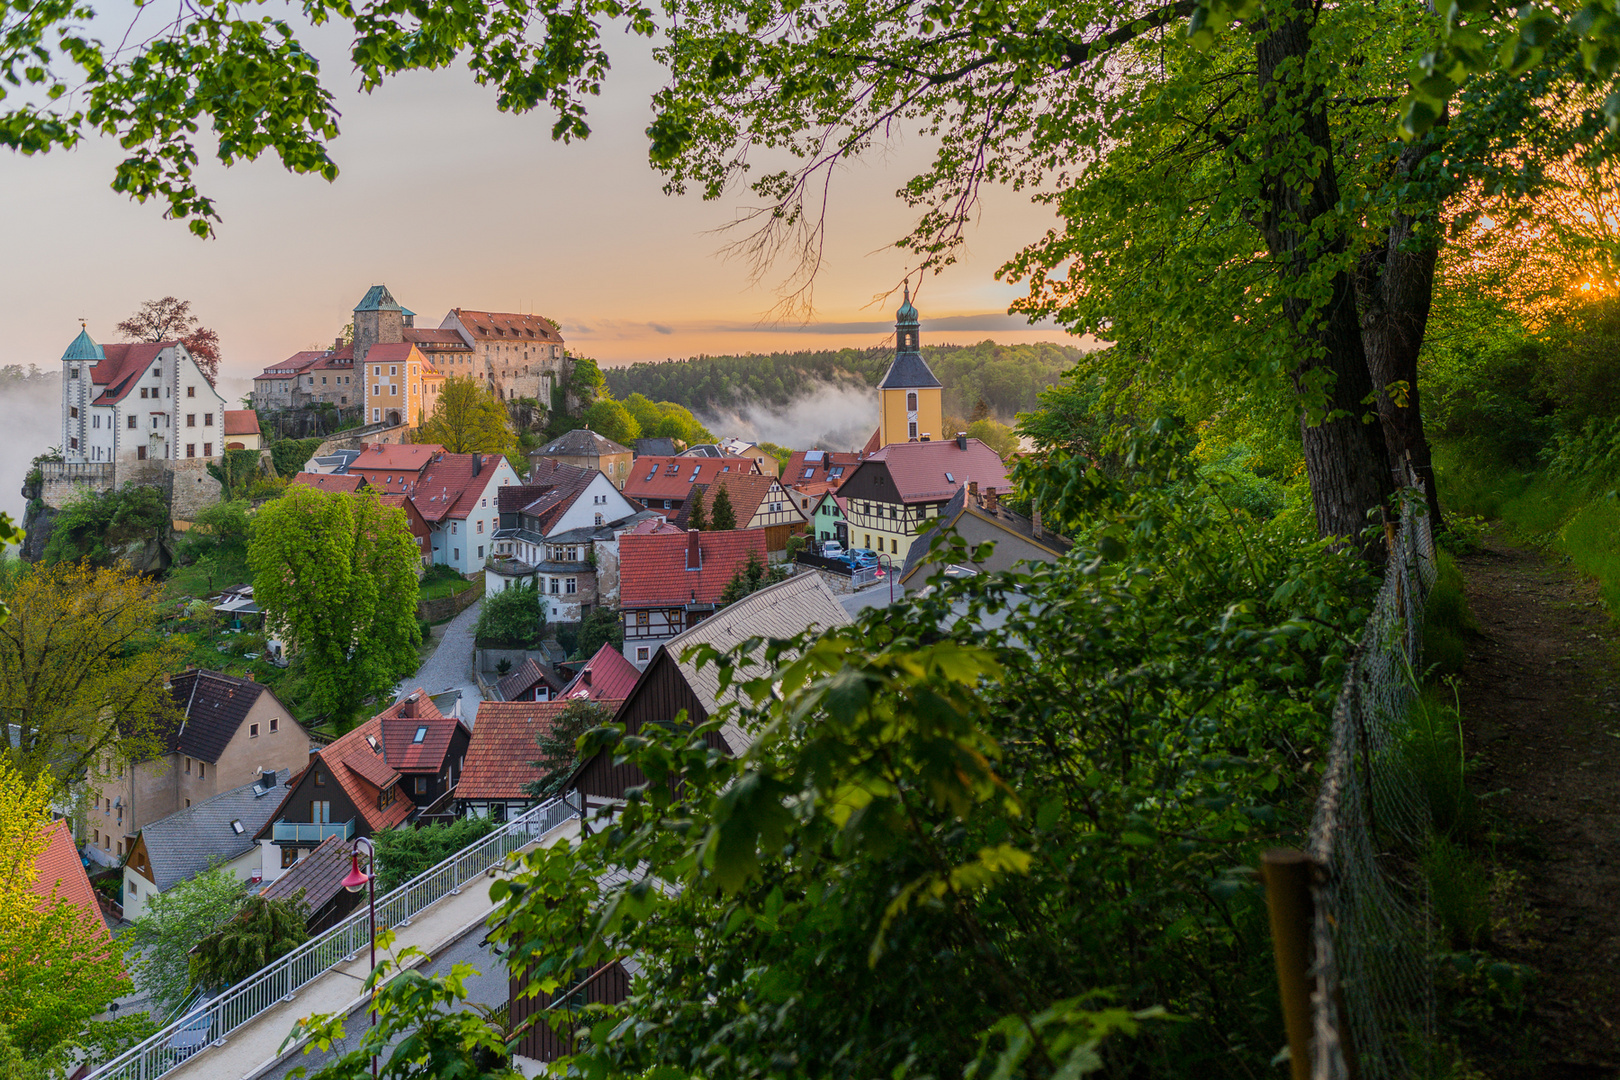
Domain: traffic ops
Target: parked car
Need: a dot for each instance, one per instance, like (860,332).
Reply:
(832,549)
(864,556)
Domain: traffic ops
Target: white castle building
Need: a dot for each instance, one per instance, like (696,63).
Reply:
(143,401)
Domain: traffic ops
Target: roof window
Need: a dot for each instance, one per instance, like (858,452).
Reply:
(808,473)
(421,733)
(371,740)
(236,826)
(949,479)
(673,469)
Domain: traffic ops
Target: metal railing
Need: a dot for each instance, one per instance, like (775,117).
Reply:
(211,1024)
(310,833)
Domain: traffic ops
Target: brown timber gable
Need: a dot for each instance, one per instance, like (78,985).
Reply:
(141,861)
(658,698)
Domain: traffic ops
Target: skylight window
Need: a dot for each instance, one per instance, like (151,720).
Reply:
(236,826)
(371,740)
(949,479)
(836,470)
(421,733)
(673,469)
(808,473)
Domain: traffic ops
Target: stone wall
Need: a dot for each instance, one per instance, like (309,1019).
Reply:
(448,607)
(357,438)
(192,488)
(63,482)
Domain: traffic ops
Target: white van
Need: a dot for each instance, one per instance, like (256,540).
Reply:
(832,549)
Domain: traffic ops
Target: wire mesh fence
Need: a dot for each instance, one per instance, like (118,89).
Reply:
(1372,1001)
(241,1004)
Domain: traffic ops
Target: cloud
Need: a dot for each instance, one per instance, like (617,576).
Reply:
(661,328)
(834,417)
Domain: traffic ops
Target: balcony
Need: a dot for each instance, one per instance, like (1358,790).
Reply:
(310,834)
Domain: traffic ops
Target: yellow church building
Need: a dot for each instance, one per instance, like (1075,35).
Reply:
(911,408)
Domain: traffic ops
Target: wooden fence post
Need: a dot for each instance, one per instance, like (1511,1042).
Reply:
(1287,874)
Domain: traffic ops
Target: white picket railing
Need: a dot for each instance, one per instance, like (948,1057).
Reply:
(278,982)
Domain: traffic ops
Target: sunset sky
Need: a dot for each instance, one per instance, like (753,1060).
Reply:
(451,203)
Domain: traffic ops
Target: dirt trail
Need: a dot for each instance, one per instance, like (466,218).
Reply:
(1541,707)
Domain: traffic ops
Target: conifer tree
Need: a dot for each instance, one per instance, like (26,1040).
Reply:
(697,517)
(721,516)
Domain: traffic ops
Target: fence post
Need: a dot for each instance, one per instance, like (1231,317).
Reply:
(1287,874)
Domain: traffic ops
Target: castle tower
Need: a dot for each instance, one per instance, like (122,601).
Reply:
(378,320)
(910,407)
(77,394)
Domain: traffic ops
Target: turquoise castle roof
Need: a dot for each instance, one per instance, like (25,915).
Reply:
(84,348)
(378,298)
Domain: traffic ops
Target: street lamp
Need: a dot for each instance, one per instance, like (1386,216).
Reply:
(366,879)
(882,559)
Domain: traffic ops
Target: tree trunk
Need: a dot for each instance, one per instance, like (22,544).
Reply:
(1396,289)
(1344,456)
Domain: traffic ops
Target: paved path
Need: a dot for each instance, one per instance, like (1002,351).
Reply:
(450,665)
(255,1049)
(487,988)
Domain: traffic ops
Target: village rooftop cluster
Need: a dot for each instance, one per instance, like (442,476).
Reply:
(591,525)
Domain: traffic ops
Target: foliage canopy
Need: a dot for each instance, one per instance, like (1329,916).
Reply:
(82,668)
(468,420)
(336,577)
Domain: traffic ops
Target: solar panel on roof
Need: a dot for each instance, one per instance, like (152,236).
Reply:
(814,455)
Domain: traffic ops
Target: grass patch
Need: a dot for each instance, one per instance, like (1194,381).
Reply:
(1459,894)
(1579,519)
(438,590)
(1447,622)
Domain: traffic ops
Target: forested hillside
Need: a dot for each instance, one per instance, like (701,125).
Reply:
(980,380)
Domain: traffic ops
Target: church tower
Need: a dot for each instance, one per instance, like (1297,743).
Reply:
(910,408)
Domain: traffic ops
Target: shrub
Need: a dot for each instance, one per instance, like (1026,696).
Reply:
(403,853)
(512,618)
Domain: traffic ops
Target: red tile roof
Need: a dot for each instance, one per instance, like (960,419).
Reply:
(650,477)
(873,444)
(395,469)
(60,872)
(653,573)
(408,457)
(329,482)
(448,489)
(400,723)
(337,358)
(362,773)
(928,471)
(241,422)
(820,471)
(436,339)
(122,367)
(654,526)
(293,365)
(747,492)
(506,326)
(607,676)
(499,757)
(392,352)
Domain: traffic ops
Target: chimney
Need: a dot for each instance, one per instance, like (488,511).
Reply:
(250,677)
(961,440)
(694,557)
(973,492)
(585,676)
(991,502)
(1035,521)
(267,778)
(478,464)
